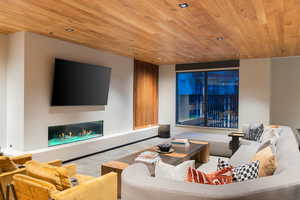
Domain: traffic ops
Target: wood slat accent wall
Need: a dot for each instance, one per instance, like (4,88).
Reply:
(145,94)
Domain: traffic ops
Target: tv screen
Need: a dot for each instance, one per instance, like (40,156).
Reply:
(77,84)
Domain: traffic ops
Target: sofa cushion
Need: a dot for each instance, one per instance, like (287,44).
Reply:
(287,152)
(220,177)
(272,142)
(58,176)
(179,172)
(270,134)
(6,164)
(267,162)
(244,154)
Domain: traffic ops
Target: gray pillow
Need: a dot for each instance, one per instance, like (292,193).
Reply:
(271,142)
(254,132)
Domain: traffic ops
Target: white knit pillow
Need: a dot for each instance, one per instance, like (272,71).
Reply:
(179,172)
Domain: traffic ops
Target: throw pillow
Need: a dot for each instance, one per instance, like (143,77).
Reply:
(6,164)
(74,181)
(267,160)
(269,143)
(222,164)
(58,176)
(269,133)
(246,172)
(274,126)
(179,172)
(221,177)
(254,132)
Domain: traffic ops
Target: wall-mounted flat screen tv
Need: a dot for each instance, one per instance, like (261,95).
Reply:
(78,84)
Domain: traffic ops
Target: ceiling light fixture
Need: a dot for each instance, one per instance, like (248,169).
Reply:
(69,30)
(220,38)
(183,5)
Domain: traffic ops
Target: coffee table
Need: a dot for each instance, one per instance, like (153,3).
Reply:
(198,151)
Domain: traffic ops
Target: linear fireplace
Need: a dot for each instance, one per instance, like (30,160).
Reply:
(64,134)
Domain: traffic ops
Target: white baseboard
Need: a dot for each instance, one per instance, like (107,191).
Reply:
(83,148)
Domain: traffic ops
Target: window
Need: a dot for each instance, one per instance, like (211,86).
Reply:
(207,99)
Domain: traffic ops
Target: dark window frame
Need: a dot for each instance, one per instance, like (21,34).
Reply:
(205,96)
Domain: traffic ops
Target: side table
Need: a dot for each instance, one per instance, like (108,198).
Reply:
(235,141)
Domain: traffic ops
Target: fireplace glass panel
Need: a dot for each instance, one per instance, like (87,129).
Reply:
(58,135)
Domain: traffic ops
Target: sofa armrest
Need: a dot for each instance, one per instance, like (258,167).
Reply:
(72,169)
(101,188)
(21,160)
(11,173)
(57,163)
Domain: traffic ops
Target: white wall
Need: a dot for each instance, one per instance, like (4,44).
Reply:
(285,104)
(3,59)
(15,91)
(254,94)
(41,51)
(167,94)
(255,91)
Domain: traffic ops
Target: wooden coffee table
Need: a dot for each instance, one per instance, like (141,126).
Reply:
(198,151)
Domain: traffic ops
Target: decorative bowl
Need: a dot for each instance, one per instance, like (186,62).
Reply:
(164,147)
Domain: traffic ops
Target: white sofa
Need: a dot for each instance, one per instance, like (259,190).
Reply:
(137,183)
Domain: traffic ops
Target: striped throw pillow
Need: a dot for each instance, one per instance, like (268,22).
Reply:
(220,177)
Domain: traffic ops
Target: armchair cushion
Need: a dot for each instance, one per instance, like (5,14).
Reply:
(27,188)
(83,178)
(71,169)
(58,176)
(101,188)
(6,164)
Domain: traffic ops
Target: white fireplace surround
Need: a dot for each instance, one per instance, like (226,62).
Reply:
(82,148)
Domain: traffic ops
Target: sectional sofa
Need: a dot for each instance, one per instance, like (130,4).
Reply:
(137,183)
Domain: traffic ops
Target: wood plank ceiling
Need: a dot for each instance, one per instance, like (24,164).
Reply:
(160,32)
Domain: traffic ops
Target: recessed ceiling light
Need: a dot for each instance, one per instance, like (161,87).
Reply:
(220,38)
(69,30)
(183,5)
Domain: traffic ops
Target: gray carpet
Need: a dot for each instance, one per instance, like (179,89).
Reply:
(92,165)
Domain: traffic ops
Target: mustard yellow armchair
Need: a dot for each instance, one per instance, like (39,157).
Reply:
(101,188)
(6,177)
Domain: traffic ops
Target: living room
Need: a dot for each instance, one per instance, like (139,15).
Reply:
(163,76)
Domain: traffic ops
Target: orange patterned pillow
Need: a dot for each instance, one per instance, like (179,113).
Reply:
(221,177)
